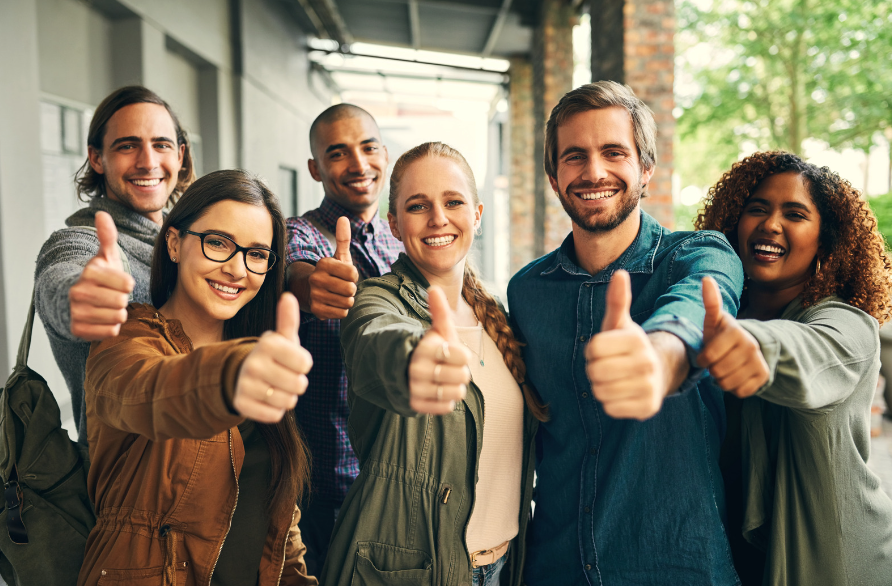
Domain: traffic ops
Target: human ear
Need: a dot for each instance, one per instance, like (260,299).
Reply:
(94,155)
(394,228)
(554,184)
(173,243)
(314,170)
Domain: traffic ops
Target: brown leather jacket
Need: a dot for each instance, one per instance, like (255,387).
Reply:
(165,458)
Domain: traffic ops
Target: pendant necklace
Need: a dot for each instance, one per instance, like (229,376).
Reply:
(479,353)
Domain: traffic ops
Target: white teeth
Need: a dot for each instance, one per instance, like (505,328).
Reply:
(598,194)
(439,240)
(146,182)
(768,248)
(363,183)
(223,288)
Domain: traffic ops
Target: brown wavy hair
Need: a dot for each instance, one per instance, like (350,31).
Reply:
(91,184)
(853,260)
(486,308)
(290,458)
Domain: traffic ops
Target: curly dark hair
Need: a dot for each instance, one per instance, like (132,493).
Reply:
(854,263)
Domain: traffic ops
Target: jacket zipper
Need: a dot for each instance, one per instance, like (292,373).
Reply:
(285,547)
(476,467)
(231,514)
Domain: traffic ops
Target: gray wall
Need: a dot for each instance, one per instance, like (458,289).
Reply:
(235,71)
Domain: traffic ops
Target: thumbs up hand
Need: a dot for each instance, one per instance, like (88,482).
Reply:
(626,373)
(273,375)
(732,355)
(98,300)
(438,371)
(333,282)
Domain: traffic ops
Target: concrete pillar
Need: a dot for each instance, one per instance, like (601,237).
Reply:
(522,138)
(21,186)
(649,53)
(139,56)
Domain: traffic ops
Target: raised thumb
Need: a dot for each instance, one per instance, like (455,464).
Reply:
(288,317)
(712,303)
(618,302)
(441,314)
(108,239)
(342,237)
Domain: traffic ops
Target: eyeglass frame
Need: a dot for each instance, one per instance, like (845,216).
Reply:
(238,249)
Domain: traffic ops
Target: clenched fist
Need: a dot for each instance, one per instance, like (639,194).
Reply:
(626,373)
(98,301)
(438,371)
(273,375)
(333,282)
(732,355)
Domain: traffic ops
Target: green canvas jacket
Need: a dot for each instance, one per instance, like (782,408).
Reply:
(811,503)
(405,517)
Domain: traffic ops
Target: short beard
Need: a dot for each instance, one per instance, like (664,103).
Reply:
(599,223)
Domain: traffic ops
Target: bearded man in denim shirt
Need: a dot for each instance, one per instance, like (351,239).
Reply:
(629,489)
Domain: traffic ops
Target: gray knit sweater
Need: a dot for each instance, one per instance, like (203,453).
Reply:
(59,266)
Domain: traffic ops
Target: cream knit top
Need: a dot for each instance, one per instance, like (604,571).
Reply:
(494,519)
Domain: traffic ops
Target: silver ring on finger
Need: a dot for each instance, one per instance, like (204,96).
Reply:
(437,370)
(443,352)
(439,392)
(269,392)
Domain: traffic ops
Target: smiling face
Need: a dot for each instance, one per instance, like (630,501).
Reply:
(140,160)
(215,291)
(778,231)
(599,178)
(436,215)
(350,162)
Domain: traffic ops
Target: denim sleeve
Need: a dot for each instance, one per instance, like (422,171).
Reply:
(679,310)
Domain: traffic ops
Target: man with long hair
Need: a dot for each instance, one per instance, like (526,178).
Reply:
(139,162)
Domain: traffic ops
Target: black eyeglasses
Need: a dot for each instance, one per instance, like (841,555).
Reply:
(219,248)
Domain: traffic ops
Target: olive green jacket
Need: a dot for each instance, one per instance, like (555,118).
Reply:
(811,502)
(405,518)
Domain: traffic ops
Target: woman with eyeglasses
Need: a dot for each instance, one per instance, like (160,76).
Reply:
(196,460)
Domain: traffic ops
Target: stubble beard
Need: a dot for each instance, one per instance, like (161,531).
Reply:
(602,221)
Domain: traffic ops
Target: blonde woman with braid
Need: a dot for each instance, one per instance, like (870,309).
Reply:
(441,497)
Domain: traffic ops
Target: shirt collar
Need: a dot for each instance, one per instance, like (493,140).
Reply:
(330,211)
(637,258)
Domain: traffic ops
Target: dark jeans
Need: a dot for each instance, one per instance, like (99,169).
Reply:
(316,523)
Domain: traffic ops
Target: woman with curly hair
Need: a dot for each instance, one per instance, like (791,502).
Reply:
(802,361)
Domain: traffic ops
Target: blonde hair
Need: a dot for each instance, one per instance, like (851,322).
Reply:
(485,307)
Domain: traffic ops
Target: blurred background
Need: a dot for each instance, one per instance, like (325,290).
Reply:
(246,77)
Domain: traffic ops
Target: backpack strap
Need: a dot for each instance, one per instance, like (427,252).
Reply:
(325,232)
(25,343)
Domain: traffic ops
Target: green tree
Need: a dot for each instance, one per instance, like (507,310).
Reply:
(772,73)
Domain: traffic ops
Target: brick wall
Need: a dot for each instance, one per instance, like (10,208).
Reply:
(522,140)
(649,55)
(553,77)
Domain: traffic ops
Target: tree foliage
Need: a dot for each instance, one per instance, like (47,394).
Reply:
(771,73)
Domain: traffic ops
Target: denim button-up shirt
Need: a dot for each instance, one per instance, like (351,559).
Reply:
(624,501)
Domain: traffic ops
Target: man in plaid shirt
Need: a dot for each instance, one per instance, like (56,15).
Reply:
(329,250)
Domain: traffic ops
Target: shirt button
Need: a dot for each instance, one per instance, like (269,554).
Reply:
(593,451)
(588,566)
(584,395)
(588,509)
(588,284)
(582,338)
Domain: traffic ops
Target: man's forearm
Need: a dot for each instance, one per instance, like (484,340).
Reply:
(297,281)
(673,355)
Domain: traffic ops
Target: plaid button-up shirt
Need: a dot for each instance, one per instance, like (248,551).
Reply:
(322,412)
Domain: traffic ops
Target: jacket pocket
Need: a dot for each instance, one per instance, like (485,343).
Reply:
(378,564)
(140,576)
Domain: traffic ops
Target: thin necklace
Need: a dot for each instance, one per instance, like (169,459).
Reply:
(479,353)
